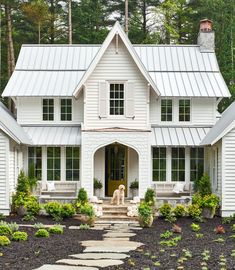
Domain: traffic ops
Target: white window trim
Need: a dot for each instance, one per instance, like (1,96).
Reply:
(178,108)
(112,116)
(172,116)
(66,121)
(54,114)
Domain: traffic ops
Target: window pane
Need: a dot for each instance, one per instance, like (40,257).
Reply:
(72,163)
(116,102)
(66,110)
(159,164)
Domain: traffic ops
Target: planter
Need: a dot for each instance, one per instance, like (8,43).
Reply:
(21,210)
(135,192)
(87,220)
(97,193)
(208,212)
(146,224)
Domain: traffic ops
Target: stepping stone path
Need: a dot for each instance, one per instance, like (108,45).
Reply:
(110,251)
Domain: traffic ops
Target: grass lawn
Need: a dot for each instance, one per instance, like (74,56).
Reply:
(203,249)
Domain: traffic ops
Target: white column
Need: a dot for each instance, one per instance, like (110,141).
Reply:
(62,164)
(168,164)
(187,164)
(44,164)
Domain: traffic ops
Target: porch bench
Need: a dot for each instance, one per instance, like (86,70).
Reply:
(165,190)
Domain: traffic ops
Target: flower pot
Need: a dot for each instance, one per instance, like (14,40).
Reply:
(97,193)
(208,212)
(146,223)
(87,220)
(21,210)
(134,192)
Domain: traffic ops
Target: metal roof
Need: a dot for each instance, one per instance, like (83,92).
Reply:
(222,127)
(178,136)
(54,135)
(174,70)
(9,125)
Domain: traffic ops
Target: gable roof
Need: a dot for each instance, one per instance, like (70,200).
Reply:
(223,126)
(61,70)
(116,30)
(9,125)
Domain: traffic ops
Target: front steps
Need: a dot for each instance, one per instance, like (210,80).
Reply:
(115,214)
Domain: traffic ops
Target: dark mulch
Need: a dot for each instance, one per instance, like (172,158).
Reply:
(38,251)
(141,259)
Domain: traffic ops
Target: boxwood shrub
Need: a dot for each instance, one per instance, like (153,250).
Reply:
(19,236)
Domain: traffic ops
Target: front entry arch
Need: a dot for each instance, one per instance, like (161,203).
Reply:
(116,168)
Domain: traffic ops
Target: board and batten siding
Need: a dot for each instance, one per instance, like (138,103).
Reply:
(29,111)
(228,173)
(4,174)
(203,111)
(119,68)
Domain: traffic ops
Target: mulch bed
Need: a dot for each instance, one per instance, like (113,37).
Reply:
(35,252)
(168,256)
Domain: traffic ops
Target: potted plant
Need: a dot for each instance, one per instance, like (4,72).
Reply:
(87,214)
(209,205)
(97,186)
(145,215)
(134,186)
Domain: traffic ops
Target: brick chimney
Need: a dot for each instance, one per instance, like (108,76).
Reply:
(206,36)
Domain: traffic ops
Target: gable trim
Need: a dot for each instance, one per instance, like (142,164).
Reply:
(116,30)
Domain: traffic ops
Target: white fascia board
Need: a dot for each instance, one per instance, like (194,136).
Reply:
(5,130)
(226,131)
(115,30)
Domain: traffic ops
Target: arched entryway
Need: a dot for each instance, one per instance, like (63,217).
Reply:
(116,164)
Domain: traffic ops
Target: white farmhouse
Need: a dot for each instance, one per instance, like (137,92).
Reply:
(118,112)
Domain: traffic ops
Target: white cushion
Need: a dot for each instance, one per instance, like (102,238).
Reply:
(179,187)
(50,186)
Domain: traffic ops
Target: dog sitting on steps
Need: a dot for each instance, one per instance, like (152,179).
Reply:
(118,195)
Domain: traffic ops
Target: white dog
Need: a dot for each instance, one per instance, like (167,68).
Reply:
(118,195)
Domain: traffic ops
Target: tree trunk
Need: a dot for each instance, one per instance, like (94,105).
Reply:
(10,46)
(70,20)
(39,33)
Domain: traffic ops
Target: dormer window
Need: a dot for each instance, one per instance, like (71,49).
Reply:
(116,99)
(48,109)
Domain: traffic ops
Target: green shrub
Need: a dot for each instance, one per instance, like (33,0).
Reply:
(210,201)
(145,214)
(4,241)
(32,206)
(97,184)
(180,210)
(195,227)
(84,227)
(42,233)
(5,230)
(195,212)
(19,236)
(56,229)
(29,217)
(134,184)
(54,209)
(203,185)
(23,184)
(165,210)
(87,209)
(67,210)
(13,226)
(82,196)
(31,177)
(2,217)
(150,196)
(39,226)
(233,227)
(166,234)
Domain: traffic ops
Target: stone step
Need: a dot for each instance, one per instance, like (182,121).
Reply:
(108,222)
(114,212)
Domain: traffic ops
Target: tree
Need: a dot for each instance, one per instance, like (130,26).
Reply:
(38,12)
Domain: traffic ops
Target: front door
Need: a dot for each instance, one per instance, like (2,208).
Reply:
(116,168)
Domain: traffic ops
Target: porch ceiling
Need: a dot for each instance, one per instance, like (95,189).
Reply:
(54,135)
(178,136)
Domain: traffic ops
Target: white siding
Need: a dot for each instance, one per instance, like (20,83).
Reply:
(29,111)
(116,67)
(133,167)
(203,111)
(4,184)
(228,173)
(99,166)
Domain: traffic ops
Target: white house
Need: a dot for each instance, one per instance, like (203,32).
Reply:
(118,112)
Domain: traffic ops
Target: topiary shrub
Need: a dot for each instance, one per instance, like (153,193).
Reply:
(179,211)
(42,233)
(82,196)
(203,185)
(150,197)
(4,241)
(56,229)
(165,210)
(5,230)
(19,236)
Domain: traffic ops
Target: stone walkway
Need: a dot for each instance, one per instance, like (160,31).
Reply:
(110,251)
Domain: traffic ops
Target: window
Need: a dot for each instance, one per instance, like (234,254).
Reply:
(166,110)
(66,109)
(35,162)
(72,163)
(184,110)
(178,164)
(159,164)
(53,163)
(48,109)
(196,163)
(116,102)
